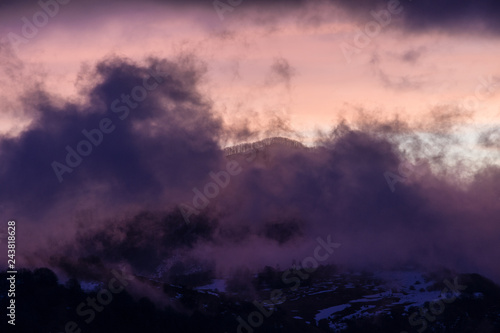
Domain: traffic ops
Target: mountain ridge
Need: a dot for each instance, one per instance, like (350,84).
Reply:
(245,147)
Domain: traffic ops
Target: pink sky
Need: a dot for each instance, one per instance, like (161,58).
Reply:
(265,70)
(441,69)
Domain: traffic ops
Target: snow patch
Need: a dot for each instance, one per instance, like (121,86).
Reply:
(326,313)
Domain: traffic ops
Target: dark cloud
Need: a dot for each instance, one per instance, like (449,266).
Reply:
(166,144)
(412,56)
(162,142)
(286,197)
(463,16)
(452,16)
(9,4)
(396,82)
(281,72)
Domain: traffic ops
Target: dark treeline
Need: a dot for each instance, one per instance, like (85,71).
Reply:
(246,147)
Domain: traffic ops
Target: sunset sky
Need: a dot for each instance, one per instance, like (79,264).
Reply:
(411,79)
(303,61)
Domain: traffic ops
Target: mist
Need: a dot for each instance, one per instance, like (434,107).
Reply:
(142,196)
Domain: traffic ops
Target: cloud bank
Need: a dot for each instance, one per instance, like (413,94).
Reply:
(166,143)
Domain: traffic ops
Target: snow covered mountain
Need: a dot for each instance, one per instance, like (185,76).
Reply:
(333,301)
